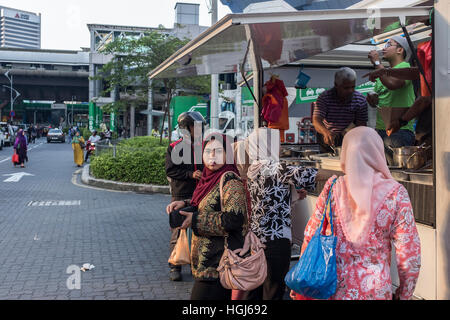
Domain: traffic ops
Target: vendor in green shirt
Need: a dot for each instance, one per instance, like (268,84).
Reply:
(393,92)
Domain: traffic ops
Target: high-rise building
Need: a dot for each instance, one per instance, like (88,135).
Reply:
(19,29)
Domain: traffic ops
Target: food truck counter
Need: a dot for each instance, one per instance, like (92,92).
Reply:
(419,185)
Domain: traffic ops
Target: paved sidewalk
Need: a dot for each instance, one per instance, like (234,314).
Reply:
(50,221)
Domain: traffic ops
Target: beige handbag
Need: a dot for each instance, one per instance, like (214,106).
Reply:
(181,254)
(243,269)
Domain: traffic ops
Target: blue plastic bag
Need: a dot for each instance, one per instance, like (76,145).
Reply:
(315,274)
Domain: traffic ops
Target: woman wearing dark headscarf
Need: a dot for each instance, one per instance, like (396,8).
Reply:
(216,218)
(20,147)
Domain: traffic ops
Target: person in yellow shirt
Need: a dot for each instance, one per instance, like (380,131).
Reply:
(77,143)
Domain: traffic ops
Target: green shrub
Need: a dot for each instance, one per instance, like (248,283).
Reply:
(138,160)
(85,133)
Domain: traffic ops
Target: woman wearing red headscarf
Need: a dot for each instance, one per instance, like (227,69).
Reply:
(371,212)
(215,218)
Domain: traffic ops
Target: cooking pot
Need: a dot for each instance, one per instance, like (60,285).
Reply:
(410,157)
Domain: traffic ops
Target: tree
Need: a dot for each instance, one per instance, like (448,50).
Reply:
(133,59)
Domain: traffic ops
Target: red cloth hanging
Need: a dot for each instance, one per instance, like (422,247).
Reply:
(276,104)
(425,55)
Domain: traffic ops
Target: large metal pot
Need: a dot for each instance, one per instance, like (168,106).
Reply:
(412,157)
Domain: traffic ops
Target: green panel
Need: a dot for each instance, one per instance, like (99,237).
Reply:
(112,124)
(98,117)
(182,104)
(310,95)
(246,97)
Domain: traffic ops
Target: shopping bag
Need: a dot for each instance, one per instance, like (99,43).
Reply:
(315,274)
(245,268)
(181,254)
(15,158)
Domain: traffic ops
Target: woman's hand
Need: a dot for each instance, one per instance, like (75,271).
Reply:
(176,205)
(188,222)
(293,294)
(302,194)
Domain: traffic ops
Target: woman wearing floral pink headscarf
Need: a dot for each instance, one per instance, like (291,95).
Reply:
(371,212)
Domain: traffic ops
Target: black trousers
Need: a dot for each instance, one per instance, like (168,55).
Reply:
(210,290)
(278,256)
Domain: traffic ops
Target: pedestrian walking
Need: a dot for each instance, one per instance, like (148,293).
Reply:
(78,146)
(216,220)
(183,177)
(28,135)
(270,182)
(371,212)
(33,134)
(70,134)
(108,135)
(20,147)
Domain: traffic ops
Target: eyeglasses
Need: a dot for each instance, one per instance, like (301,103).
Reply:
(390,44)
(217,151)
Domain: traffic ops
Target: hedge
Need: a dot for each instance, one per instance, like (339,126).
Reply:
(138,160)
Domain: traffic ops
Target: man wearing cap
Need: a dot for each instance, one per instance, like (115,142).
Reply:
(393,92)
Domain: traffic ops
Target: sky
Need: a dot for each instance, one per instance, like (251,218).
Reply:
(64,22)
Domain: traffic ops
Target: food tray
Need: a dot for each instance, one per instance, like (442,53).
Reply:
(423,177)
(400,175)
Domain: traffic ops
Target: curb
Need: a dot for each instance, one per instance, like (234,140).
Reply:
(87,179)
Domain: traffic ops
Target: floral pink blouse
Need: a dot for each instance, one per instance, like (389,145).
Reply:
(364,274)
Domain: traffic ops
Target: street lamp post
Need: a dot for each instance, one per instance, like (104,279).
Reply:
(12,99)
(10,78)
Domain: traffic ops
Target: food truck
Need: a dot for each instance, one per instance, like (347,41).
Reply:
(322,42)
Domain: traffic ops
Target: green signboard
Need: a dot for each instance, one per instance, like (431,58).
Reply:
(112,124)
(310,95)
(92,116)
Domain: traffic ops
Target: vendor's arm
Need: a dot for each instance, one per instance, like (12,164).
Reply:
(320,111)
(232,216)
(399,73)
(328,136)
(362,114)
(419,106)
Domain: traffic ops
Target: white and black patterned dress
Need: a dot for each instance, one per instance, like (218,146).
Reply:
(270,193)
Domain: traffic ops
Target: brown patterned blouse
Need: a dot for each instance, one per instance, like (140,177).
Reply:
(211,224)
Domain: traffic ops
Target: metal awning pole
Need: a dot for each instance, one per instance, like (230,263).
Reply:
(258,77)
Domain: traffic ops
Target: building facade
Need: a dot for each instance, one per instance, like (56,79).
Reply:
(186,26)
(19,29)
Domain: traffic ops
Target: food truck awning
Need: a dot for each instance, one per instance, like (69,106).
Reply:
(282,38)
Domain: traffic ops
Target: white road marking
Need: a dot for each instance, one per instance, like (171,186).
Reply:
(16,177)
(82,185)
(57,203)
(34,147)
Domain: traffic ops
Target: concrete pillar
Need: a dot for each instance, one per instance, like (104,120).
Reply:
(132,120)
(150,109)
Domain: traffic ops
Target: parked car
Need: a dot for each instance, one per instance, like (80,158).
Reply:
(2,138)
(56,135)
(9,133)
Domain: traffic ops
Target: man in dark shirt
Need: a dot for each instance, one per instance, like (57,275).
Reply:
(183,173)
(338,108)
